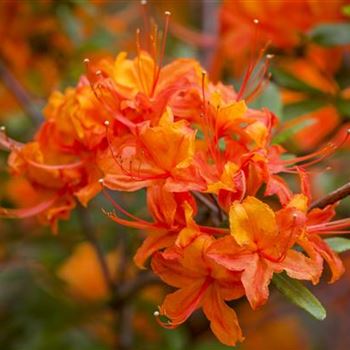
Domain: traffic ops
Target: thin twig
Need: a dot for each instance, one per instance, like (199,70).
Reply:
(128,289)
(90,235)
(332,197)
(20,94)
(222,214)
(126,334)
(207,202)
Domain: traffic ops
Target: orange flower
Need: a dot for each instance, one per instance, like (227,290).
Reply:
(156,155)
(83,275)
(201,283)
(138,90)
(75,119)
(260,245)
(173,222)
(58,176)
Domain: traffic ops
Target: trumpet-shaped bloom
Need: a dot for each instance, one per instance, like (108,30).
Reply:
(260,245)
(201,283)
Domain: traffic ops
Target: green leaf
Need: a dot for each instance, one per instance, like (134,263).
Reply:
(288,133)
(343,107)
(299,295)
(346,10)
(270,98)
(339,244)
(288,80)
(331,34)
(300,108)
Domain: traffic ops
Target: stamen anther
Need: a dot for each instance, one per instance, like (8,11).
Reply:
(106,123)
(156,313)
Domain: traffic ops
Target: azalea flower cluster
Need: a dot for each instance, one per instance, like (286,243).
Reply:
(132,124)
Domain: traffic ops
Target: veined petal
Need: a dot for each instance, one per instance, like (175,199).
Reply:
(277,186)
(252,221)
(320,216)
(155,241)
(223,319)
(161,204)
(179,306)
(333,260)
(188,234)
(256,279)
(172,271)
(227,253)
(299,266)
(170,145)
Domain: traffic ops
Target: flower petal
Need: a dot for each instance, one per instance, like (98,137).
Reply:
(179,306)
(256,279)
(223,319)
(155,241)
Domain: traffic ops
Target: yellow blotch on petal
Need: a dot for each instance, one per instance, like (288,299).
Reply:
(258,132)
(171,145)
(133,76)
(230,113)
(300,202)
(252,221)
(226,180)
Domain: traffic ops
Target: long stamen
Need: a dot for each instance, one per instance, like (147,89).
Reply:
(118,207)
(139,63)
(6,142)
(252,63)
(316,157)
(328,227)
(162,51)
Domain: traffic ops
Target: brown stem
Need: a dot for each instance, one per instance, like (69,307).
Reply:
(17,90)
(128,289)
(207,202)
(125,331)
(332,197)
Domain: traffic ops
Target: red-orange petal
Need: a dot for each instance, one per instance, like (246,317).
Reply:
(223,319)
